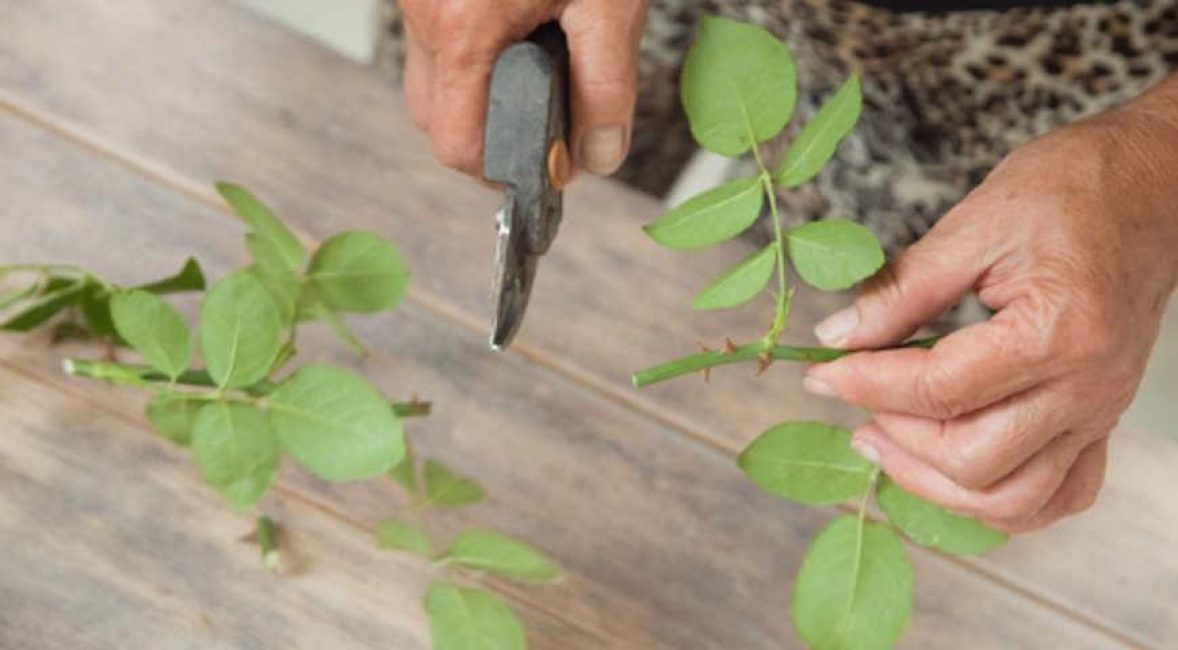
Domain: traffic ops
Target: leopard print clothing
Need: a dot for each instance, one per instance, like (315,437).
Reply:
(946,95)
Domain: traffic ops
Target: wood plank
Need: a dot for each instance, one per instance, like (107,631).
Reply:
(666,545)
(111,540)
(252,106)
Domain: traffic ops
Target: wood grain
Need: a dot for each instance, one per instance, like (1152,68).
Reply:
(231,96)
(112,541)
(666,545)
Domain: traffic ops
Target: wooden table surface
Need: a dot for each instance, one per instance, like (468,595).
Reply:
(115,119)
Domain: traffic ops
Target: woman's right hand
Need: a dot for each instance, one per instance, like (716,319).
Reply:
(452,45)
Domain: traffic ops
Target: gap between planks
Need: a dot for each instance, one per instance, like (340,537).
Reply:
(308,499)
(439,307)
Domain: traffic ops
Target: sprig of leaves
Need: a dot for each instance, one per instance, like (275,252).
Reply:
(461,617)
(854,588)
(240,413)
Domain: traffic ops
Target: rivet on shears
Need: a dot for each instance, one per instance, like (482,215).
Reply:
(558,164)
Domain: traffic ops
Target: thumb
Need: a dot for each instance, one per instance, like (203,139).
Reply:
(603,66)
(911,290)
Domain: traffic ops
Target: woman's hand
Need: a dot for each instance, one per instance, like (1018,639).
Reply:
(452,45)
(1073,239)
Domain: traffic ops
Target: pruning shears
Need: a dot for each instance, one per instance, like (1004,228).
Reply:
(525,150)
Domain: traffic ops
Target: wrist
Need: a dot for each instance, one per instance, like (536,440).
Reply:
(1143,136)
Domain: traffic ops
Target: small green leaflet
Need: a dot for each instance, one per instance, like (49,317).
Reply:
(57,297)
(816,142)
(738,86)
(501,555)
(834,254)
(930,525)
(336,424)
(17,295)
(741,283)
(339,328)
(404,473)
(263,222)
(240,331)
(358,272)
(154,328)
(471,619)
(235,450)
(402,536)
(854,590)
(188,278)
(95,306)
(173,416)
(276,277)
(714,216)
(445,488)
(807,462)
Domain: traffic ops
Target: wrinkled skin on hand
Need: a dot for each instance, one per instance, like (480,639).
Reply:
(452,46)
(1073,240)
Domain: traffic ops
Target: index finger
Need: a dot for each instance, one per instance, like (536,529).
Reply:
(462,72)
(967,370)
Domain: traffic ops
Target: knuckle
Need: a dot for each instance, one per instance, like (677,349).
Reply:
(1022,337)
(457,56)
(937,394)
(883,291)
(1082,333)
(958,464)
(455,153)
(452,18)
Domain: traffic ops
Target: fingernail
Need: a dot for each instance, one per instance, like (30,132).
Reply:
(602,149)
(865,450)
(816,386)
(838,327)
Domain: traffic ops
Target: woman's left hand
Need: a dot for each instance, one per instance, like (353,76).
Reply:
(1073,240)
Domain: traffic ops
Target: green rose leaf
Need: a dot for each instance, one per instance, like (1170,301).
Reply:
(807,462)
(445,488)
(16,295)
(471,619)
(95,306)
(240,331)
(816,142)
(263,223)
(358,272)
(235,450)
(854,589)
(930,525)
(154,328)
(58,294)
(173,416)
(741,283)
(738,86)
(501,555)
(835,253)
(714,216)
(404,473)
(336,424)
(275,276)
(402,536)
(188,278)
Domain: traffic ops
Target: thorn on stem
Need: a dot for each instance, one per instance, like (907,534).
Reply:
(763,362)
(729,346)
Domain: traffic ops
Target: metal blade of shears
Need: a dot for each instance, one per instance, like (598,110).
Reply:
(525,151)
